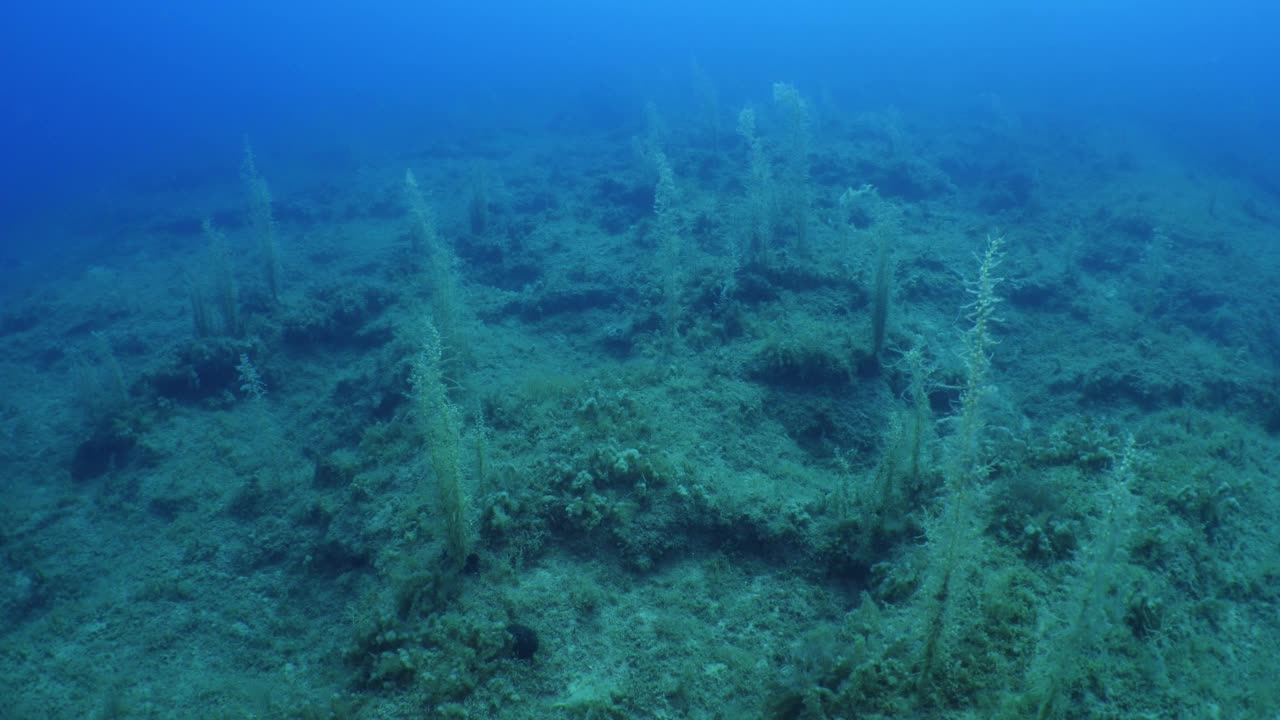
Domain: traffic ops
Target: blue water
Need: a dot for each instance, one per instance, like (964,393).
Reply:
(95,92)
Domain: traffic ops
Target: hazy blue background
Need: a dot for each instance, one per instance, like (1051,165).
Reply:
(96,93)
